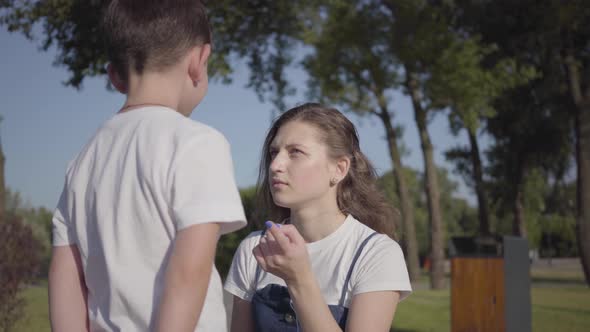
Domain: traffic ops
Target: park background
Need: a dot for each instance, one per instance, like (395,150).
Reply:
(475,114)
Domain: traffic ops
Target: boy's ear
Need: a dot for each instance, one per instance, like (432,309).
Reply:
(116,80)
(198,63)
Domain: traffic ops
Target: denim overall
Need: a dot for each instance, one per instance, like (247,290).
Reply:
(273,309)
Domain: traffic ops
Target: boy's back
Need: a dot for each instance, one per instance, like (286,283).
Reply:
(144,202)
(145,175)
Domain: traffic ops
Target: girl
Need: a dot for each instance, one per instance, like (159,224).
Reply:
(330,264)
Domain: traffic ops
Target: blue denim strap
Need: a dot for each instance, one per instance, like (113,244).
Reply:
(349,275)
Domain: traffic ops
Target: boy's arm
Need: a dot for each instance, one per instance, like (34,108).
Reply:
(187,277)
(67,291)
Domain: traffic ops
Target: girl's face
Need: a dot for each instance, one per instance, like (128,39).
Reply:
(300,168)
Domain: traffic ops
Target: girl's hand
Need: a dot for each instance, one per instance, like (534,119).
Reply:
(282,252)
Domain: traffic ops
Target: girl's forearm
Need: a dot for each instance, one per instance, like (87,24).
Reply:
(310,307)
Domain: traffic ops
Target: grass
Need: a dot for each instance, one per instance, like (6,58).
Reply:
(554,309)
(560,302)
(561,309)
(37,313)
(424,310)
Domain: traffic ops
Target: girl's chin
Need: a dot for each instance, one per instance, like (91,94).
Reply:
(282,203)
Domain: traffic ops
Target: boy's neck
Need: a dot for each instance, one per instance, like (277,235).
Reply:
(154,89)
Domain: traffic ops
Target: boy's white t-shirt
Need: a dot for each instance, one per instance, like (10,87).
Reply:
(380,266)
(145,175)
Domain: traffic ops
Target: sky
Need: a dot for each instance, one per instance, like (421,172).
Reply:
(46,123)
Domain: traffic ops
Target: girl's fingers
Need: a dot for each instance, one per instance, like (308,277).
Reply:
(274,247)
(264,247)
(269,236)
(279,237)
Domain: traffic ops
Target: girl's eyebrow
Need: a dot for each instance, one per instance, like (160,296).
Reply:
(295,145)
(288,146)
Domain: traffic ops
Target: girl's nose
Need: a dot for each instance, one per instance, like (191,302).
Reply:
(277,164)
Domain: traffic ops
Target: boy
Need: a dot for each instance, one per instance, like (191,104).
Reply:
(146,200)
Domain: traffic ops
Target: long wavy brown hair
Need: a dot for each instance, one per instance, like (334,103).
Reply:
(357,193)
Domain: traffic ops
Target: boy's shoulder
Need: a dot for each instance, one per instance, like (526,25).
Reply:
(193,130)
(173,129)
(183,126)
(159,129)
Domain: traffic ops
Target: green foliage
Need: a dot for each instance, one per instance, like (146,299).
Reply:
(20,255)
(460,218)
(264,33)
(70,25)
(39,221)
(346,68)
(549,216)
(460,79)
(264,41)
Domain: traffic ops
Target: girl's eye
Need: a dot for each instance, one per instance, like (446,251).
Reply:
(295,152)
(273,154)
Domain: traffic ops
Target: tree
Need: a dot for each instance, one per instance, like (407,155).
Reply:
(363,50)
(575,34)
(2,185)
(265,41)
(462,217)
(526,139)
(552,36)
(461,80)
(558,235)
(419,32)
(356,73)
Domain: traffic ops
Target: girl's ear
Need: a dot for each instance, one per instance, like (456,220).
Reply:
(116,79)
(342,168)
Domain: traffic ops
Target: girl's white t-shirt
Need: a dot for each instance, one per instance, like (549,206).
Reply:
(145,175)
(380,267)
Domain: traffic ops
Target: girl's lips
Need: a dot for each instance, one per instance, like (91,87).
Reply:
(278,183)
(275,182)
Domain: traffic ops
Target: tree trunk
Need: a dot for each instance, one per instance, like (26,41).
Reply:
(582,121)
(583,188)
(2,187)
(482,197)
(519,224)
(407,209)
(437,273)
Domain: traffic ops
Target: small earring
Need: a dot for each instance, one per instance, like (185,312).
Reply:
(333,181)
(195,83)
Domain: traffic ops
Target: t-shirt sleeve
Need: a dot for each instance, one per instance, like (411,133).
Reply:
(382,267)
(240,279)
(62,228)
(203,187)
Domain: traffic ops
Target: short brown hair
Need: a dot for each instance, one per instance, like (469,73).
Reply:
(152,34)
(357,193)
